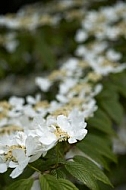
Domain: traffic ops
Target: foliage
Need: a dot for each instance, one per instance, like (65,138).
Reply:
(87,163)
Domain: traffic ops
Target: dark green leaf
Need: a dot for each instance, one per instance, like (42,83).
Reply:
(113,109)
(58,173)
(93,169)
(44,52)
(78,171)
(109,92)
(100,145)
(23,184)
(101,121)
(67,185)
(119,80)
(92,154)
(49,182)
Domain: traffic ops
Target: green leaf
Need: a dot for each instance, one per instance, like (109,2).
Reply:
(92,154)
(93,168)
(101,121)
(58,173)
(100,145)
(113,109)
(109,91)
(119,80)
(44,52)
(23,184)
(78,171)
(49,182)
(67,185)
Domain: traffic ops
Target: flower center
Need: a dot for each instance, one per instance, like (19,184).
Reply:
(62,135)
(9,155)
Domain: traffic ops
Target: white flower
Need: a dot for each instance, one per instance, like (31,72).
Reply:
(89,108)
(81,50)
(62,98)
(71,67)
(17,150)
(110,14)
(43,83)
(31,100)
(29,111)
(81,35)
(54,105)
(113,55)
(74,125)
(17,106)
(70,64)
(66,85)
(42,129)
(102,66)
(16,102)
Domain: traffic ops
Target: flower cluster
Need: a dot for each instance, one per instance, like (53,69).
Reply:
(33,16)
(30,127)
(25,133)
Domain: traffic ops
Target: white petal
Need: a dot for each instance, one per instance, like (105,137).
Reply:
(63,123)
(35,157)
(3,167)
(48,139)
(16,172)
(13,164)
(72,140)
(19,154)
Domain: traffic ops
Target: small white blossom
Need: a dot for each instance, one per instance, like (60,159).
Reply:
(43,83)
(113,55)
(16,102)
(81,35)
(31,100)
(89,108)
(66,85)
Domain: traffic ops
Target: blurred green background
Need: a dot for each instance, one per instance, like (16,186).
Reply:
(40,51)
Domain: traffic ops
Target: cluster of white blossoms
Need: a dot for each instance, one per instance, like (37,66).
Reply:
(108,22)
(26,134)
(30,127)
(33,16)
(105,25)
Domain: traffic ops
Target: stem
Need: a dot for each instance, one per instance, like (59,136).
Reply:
(34,168)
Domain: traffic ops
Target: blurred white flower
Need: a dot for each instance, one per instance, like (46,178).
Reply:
(31,100)
(89,108)
(113,55)
(43,83)
(66,85)
(81,35)
(16,102)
